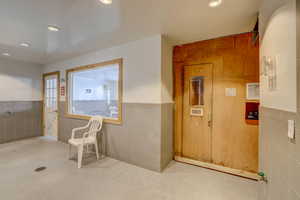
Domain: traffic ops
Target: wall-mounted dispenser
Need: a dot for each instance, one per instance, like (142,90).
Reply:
(252,113)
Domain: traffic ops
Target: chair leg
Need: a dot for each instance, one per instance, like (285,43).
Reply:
(102,147)
(87,148)
(97,150)
(80,153)
(70,151)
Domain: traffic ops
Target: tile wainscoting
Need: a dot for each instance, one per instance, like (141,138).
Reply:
(145,138)
(279,156)
(20,120)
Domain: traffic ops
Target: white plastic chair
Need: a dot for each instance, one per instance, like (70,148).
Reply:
(89,137)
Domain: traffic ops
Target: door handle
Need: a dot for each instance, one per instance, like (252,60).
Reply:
(209,123)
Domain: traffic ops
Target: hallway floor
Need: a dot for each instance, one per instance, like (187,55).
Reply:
(107,179)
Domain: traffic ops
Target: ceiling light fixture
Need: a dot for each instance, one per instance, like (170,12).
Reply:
(106,1)
(24,44)
(53,28)
(6,54)
(215,3)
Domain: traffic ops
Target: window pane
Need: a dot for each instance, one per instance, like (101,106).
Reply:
(197,91)
(51,93)
(54,83)
(48,83)
(95,92)
(48,102)
(51,83)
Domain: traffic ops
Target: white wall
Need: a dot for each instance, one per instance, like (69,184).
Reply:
(141,68)
(20,81)
(266,10)
(279,40)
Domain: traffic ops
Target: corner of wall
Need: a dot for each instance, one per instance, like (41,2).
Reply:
(167,102)
(298,53)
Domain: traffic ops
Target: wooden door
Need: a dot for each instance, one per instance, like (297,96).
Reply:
(197,112)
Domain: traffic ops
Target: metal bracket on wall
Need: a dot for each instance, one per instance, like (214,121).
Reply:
(263,177)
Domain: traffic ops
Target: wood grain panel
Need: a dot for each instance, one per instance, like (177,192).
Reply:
(236,62)
(196,142)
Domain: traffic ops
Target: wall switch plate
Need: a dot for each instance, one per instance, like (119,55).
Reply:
(291,129)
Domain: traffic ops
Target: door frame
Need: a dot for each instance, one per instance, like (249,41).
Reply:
(57,73)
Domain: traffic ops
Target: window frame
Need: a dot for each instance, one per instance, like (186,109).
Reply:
(119,61)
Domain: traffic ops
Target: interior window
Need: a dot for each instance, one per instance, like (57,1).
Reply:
(197,91)
(95,90)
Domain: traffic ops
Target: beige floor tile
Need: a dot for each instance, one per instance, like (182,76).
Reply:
(107,179)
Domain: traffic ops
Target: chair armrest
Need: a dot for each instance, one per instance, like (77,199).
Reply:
(77,129)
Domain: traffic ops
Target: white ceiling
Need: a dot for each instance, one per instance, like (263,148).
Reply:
(87,25)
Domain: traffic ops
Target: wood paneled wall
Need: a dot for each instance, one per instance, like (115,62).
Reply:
(235,61)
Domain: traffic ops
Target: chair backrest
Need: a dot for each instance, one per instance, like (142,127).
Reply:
(95,125)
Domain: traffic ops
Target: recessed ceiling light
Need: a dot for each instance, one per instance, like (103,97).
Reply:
(24,44)
(106,1)
(53,28)
(215,3)
(6,54)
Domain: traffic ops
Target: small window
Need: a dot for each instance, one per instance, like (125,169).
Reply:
(96,90)
(50,93)
(197,91)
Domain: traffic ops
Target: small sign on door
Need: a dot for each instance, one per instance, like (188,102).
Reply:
(198,112)
(62,91)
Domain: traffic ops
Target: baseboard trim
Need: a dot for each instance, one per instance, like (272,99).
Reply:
(219,168)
